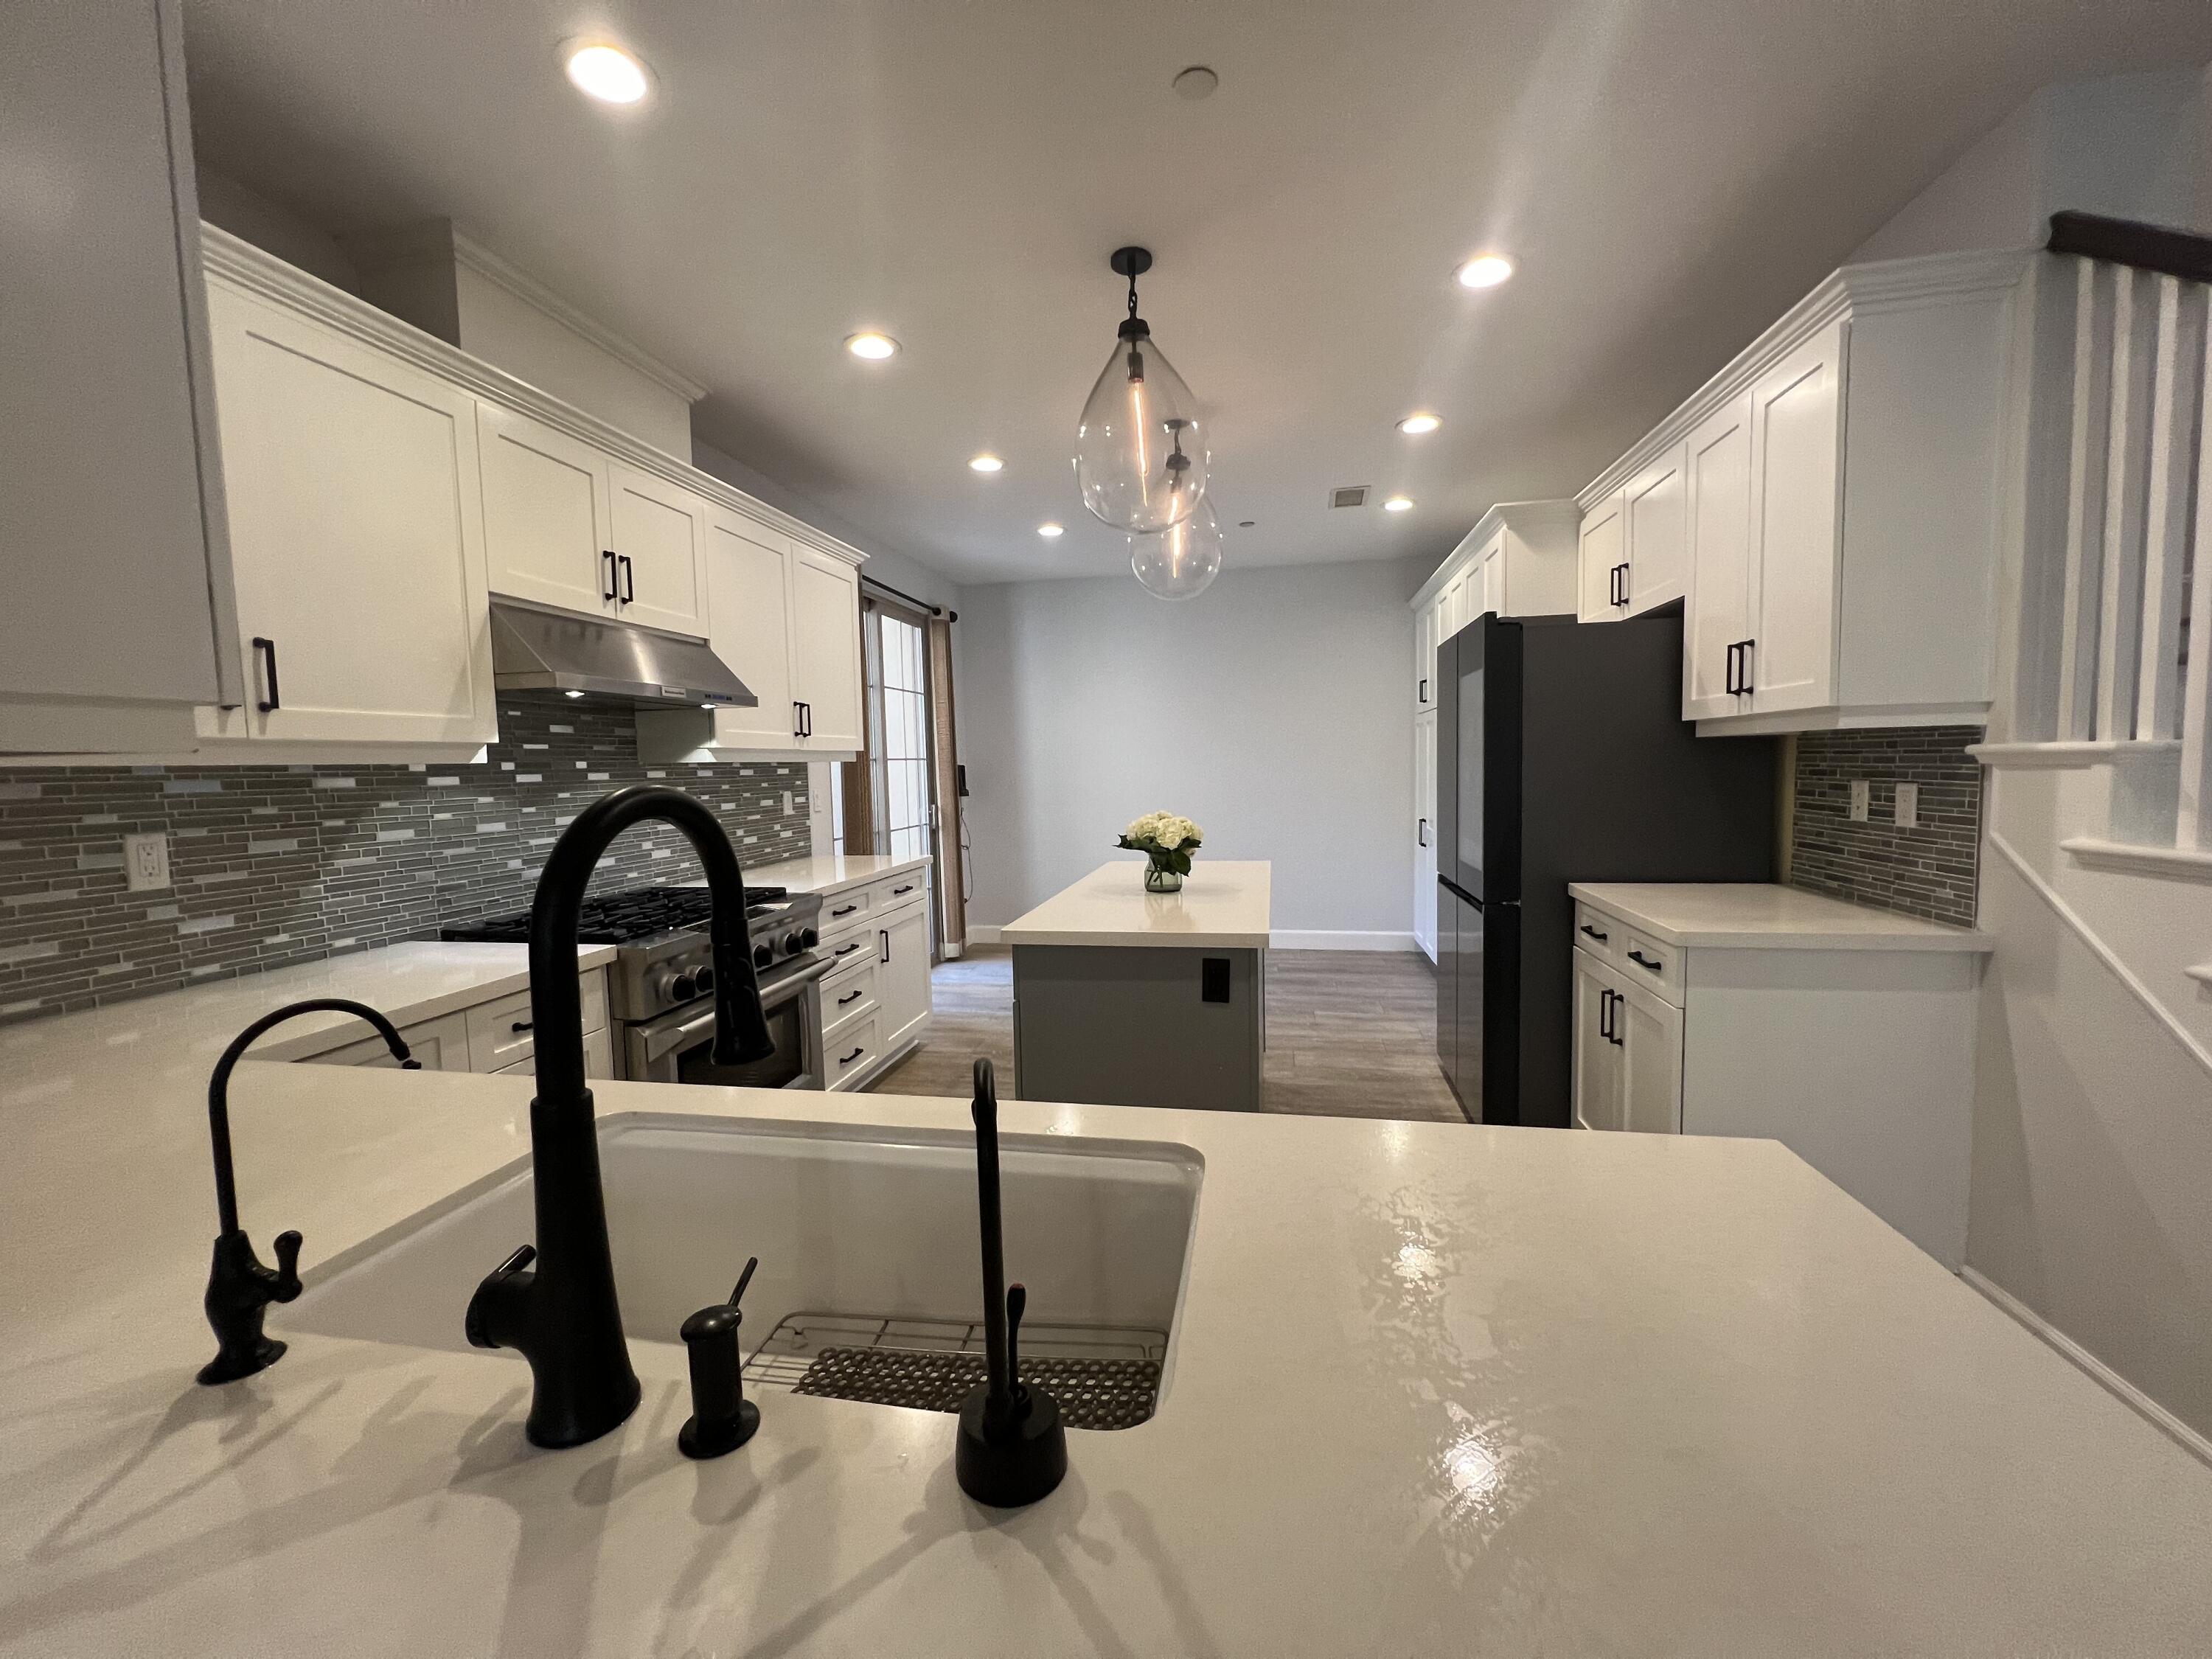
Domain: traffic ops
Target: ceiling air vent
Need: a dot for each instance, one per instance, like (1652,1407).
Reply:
(1349,495)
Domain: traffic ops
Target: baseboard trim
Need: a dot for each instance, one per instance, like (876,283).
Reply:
(2118,1386)
(1292,939)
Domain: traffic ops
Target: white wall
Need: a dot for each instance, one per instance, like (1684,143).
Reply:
(2131,146)
(1273,709)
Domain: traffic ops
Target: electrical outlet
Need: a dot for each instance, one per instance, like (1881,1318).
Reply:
(1908,805)
(1861,800)
(146,861)
(786,803)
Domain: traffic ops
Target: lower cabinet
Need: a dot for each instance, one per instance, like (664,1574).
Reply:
(903,974)
(1627,1053)
(442,1044)
(493,1036)
(876,998)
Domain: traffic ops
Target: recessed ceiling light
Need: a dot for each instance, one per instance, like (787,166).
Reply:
(1414,425)
(987,462)
(606,73)
(1050,532)
(572,694)
(874,346)
(1399,504)
(1246,524)
(1196,82)
(1484,270)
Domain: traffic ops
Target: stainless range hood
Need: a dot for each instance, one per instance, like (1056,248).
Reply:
(537,648)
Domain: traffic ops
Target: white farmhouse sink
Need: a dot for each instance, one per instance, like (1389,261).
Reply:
(857,1224)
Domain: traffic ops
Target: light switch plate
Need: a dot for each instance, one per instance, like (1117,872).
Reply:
(145,862)
(1908,805)
(1860,794)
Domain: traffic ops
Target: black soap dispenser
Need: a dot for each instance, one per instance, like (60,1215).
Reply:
(1012,1448)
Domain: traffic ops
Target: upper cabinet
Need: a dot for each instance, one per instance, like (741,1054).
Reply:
(1830,506)
(825,635)
(109,479)
(1601,541)
(1519,561)
(659,547)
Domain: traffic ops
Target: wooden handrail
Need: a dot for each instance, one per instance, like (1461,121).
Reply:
(2130,242)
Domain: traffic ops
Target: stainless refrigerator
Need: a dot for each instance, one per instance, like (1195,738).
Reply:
(1562,755)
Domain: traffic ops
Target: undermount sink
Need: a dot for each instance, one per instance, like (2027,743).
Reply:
(863,1235)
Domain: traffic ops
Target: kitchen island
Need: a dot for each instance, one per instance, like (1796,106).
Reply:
(1124,997)
(1434,1390)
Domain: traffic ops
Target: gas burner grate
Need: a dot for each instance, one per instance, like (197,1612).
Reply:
(618,918)
(1104,1376)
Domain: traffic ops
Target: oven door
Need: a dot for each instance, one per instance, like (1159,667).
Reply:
(678,1046)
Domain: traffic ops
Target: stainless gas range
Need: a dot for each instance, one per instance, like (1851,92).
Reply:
(660,988)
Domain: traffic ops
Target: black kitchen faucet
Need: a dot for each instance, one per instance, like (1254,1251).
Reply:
(562,1314)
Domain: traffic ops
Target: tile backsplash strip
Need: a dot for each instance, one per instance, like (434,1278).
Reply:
(1927,871)
(271,864)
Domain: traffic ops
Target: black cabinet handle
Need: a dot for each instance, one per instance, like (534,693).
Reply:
(847,1060)
(1593,933)
(896,892)
(268,650)
(845,910)
(1424,691)
(1745,676)
(1605,1015)
(1729,681)
(609,574)
(521,1026)
(845,949)
(886,933)
(853,996)
(1421,835)
(1645,961)
(806,709)
(798,726)
(629,580)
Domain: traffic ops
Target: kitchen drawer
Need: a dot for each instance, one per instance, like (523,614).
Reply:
(1603,936)
(906,888)
(499,1033)
(1644,960)
(442,1044)
(847,909)
(848,949)
(857,1049)
(598,1058)
(849,996)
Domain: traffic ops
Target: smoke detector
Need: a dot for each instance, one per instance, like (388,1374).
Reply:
(1349,495)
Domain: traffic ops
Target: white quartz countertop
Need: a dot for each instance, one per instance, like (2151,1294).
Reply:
(1759,915)
(1438,1389)
(832,873)
(1222,906)
(183,1030)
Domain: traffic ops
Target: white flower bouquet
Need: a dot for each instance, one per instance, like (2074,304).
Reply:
(1167,840)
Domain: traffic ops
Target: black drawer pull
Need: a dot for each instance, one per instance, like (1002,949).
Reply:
(843,949)
(896,892)
(521,1026)
(1593,933)
(854,997)
(847,1060)
(846,911)
(1642,961)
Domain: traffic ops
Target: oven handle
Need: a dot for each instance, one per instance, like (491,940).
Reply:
(662,1039)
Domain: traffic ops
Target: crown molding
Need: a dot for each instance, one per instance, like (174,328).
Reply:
(1517,515)
(1855,291)
(229,259)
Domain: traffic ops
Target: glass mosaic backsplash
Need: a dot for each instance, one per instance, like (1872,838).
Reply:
(1927,871)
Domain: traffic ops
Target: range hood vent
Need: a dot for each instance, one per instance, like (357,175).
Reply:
(537,648)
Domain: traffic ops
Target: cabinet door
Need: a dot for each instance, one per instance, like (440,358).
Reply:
(1491,576)
(1656,509)
(661,541)
(548,521)
(1425,657)
(1796,443)
(903,976)
(1649,1056)
(825,637)
(1424,833)
(1597,1067)
(1717,471)
(356,535)
(1602,543)
(749,594)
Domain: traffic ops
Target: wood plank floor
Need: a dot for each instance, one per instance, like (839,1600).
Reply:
(1350,1033)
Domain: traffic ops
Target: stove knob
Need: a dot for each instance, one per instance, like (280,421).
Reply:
(808,939)
(704,979)
(794,942)
(763,956)
(682,988)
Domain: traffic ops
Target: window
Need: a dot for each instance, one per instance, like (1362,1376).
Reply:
(837,806)
(905,754)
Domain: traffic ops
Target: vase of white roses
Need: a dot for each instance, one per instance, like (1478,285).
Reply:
(1167,840)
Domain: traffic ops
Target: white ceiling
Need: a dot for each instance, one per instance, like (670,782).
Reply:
(1669,176)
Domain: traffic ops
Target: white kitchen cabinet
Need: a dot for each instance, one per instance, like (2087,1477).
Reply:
(118,622)
(1843,493)
(825,636)
(1424,833)
(442,1044)
(549,525)
(1752,1009)
(1425,618)
(749,594)
(1601,545)
(356,537)
(903,976)
(658,536)
(1654,522)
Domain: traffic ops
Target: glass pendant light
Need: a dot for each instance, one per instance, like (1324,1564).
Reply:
(1140,455)
(1180,561)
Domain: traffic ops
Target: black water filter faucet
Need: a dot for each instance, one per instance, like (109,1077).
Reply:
(722,1418)
(1012,1448)
(240,1287)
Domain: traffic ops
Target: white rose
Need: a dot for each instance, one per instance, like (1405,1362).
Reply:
(1141,828)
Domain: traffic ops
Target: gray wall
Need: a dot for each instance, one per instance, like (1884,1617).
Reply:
(1928,871)
(273,864)
(1275,709)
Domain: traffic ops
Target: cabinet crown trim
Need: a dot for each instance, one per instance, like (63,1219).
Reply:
(1853,290)
(1517,515)
(238,262)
